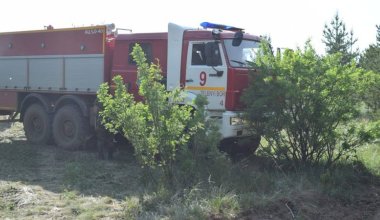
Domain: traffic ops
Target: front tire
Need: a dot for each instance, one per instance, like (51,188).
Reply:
(37,125)
(70,128)
(240,146)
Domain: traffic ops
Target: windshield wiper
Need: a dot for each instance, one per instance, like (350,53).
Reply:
(239,62)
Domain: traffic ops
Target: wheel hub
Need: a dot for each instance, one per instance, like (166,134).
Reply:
(68,128)
(37,124)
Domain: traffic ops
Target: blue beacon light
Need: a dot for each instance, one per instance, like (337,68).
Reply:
(220,26)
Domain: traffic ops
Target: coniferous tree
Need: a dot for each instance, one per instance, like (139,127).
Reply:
(370,59)
(338,40)
(378,35)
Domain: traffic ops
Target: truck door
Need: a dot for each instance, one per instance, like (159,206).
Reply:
(210,81)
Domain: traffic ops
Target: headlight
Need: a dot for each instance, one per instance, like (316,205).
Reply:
(236,121)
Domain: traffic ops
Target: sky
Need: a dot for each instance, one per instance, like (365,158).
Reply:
(289,23)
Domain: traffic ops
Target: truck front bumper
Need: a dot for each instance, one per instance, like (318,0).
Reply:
(231,125)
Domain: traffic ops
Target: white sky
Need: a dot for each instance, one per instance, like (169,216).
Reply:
(289,22)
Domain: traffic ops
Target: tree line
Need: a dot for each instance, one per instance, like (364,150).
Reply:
(338,39)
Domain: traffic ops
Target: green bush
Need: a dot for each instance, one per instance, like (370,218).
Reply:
(202,160)
(155,126)
(302,104)
(369,90)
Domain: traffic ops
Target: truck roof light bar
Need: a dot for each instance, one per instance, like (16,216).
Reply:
(206,25)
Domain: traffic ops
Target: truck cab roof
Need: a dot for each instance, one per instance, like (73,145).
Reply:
(199,34)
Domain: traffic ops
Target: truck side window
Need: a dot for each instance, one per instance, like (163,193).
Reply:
(198,56)
(146,47)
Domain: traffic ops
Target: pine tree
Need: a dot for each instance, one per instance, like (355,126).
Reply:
(338,40)
(378,35)
(370,59)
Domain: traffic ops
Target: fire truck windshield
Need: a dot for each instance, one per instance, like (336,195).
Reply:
(238,56)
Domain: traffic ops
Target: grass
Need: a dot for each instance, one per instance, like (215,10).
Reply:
(370,155)
(44,182)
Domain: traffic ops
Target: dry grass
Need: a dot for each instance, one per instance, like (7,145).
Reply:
(44,182)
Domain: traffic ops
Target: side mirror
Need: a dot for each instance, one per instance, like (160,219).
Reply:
(238,38)
(212,54)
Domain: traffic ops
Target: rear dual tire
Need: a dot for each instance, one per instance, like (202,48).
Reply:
(70,128)
(37,125)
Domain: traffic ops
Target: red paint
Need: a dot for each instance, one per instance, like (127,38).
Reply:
(8,100)
(237,78)
(108,57)
(121,65)
(53,42)
(237,81)
(115,50)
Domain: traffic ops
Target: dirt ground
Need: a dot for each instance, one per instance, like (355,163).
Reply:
(40,194)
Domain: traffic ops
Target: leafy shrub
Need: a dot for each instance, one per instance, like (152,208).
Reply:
(369,90)
(302,105)
(155,126)
(202,160)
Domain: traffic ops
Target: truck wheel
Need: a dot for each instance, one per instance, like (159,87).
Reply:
(240,146)
(70,128)
(37,125)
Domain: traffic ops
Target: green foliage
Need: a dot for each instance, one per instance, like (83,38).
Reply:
(203,158)
(376,129)
(345,179)
(370,154)
(7,198)
(77,175)
(206,140)
(132,208)
(224,204)
(33,186)
(369,89)
(154,126)
(338,40)
(370,60)
(378,35)
(302,105)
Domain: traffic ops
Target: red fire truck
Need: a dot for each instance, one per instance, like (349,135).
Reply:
(50,77)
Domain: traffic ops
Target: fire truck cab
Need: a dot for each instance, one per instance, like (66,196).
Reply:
(211,61)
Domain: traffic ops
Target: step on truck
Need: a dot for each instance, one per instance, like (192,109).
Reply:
(49,78)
